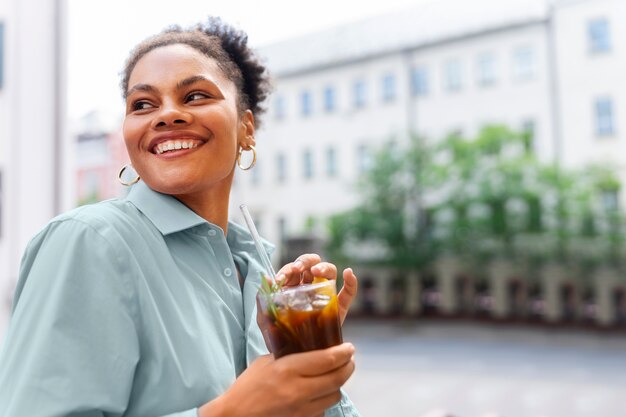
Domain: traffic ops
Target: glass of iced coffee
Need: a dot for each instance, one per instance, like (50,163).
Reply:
(301,318)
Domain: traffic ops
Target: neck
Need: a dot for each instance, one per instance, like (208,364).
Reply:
(211,205)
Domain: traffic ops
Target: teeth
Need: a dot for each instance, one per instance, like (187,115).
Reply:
(171,145)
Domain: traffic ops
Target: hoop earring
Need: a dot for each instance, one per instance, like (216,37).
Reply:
(250,148)
(127,183)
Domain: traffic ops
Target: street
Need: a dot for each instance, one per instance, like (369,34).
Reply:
(423,368)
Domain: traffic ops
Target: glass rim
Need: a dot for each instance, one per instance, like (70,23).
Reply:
(307,287)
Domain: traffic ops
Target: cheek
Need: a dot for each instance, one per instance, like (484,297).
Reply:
(131,131)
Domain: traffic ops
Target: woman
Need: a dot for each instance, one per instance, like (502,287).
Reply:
(146,306)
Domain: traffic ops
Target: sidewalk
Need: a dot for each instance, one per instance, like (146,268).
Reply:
(434,369)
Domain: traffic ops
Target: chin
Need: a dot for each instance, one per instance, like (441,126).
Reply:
(173,187)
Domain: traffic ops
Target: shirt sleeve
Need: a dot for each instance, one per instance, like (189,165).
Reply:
(343,408)
(72,346)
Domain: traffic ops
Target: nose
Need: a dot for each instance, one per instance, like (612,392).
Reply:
(171,115)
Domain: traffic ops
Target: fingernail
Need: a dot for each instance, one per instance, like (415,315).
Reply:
(280,277)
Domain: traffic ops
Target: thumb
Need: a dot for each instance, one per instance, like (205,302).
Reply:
(347,293)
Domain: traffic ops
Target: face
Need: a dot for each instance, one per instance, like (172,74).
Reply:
(182,127)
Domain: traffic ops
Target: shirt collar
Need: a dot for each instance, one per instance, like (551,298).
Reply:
(167,213)
(170,216)
(239,237)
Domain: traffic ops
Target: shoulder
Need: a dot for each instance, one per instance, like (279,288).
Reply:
(111,220)
(109,213)
(82,248)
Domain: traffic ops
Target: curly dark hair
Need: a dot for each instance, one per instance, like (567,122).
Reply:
(223,43)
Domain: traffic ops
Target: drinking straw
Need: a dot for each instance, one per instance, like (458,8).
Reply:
(265,259)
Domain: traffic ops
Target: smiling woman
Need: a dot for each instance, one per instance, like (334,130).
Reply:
(146,306)
(177,96)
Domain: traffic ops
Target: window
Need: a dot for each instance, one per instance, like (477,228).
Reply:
(279,107)
(306,103)
(389,87)
(523,63)
(452,75)
(363,159)
(281,168)
(329,99)
(610,200)
(598,35)
(307,164)
(419,81)
(358,89)
(604,117)
(331,162)
(486,70)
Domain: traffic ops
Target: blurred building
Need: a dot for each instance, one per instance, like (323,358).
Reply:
(553,68)
(100,154)
(34,150)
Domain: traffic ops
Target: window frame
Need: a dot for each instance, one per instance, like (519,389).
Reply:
(599,42)
(604,116)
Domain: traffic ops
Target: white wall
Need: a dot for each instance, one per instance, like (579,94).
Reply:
(32,133)
(507,101)
(584,76)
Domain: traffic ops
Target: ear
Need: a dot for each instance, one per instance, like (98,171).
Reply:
(246,131)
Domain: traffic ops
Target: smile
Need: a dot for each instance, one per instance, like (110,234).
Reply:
(175,145)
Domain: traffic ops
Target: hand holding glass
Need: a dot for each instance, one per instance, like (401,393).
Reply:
(297,319)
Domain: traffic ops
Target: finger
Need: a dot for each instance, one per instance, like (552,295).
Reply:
(347,294)
(289,275)
(299,271)
(321,361)
(307,277)
(330,382)
(325,270)
(305,262)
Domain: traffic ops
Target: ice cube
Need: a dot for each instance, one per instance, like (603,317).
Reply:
(298,301)
(320,301)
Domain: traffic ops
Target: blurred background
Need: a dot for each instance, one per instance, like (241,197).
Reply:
(465,157)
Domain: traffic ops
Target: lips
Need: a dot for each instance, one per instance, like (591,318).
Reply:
(174,141)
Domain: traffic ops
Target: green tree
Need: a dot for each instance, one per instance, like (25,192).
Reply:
(475,198)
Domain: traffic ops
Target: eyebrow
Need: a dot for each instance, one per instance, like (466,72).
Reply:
(141,87)
(192,80)
(180,85)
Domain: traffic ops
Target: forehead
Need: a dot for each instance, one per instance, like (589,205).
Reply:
(172,63)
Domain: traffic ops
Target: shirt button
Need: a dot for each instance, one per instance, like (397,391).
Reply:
(212,232)
(228,272)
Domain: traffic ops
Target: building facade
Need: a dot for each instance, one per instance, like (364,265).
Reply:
(549,67)
(35,164)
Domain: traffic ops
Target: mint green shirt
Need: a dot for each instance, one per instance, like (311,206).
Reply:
(131,308)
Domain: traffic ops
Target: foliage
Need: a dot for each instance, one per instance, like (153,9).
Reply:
(477,198)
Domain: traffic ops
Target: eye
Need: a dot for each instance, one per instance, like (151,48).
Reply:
(196,96)
(141,105)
